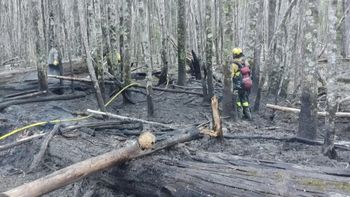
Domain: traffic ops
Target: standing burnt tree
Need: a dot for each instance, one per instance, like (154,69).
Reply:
(144,13)
(84,33)
(332,103)
(42,74)
(209,50)
(164,73)
(308,113)
(181,42)
(126,34)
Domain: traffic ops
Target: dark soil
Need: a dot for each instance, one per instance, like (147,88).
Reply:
(178,109)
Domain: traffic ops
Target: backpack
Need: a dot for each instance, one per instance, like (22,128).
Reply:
(247,82)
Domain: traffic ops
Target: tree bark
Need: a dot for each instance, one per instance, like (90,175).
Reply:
(83,29)
(347,29)
(227,103)
(217,125)
(149,92)
(42,74)
(258,48)
(21,141)
(211,174)
(181,42)
(124,118)
(308,114)
(332,95)
(209,50)
(38,157)
(76,172)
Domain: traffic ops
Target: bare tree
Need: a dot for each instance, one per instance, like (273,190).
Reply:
(308,114)
(347,28)
(42,73)
(83,29)
(209,50)
(181,33)
(332,94)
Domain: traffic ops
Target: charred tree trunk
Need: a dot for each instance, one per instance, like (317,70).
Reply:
(127,49)
(212,174)
(196,66)
(308,114)
(209,50)
(257,49)
(163,78)
(121,41)
(42,74)
(83,29)
(80,170)
(149,92)
(347,29)
(228,103)
(181,50)
(332,103)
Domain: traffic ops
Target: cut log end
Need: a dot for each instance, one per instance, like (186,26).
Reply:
(217,125)
(147,140)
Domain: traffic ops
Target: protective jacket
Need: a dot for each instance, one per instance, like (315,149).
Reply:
(240,73)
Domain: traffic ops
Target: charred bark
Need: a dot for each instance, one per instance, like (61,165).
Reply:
(214,174)
(40,99)
(196,66)
(227,103)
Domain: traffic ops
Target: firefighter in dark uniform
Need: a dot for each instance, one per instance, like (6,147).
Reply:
(242,82)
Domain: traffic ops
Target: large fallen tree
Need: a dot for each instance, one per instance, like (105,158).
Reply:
(195,173)
(200,173)
(79,170)
(218,174)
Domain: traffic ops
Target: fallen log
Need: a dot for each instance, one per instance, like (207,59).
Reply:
(103,125)
(3,105)
(297,111)
(24,96)
(217,125)
(21,141)
(291,139)
(184,87)
(20,93)
(173,91)
(86,80)
(219,174)
(113,83)
(124,118)
(38,157)
(80,170)
(169,90)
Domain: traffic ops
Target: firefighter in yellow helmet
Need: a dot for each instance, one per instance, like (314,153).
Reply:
(55,66)
(242,82)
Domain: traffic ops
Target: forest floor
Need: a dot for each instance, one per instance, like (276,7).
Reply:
(172,108)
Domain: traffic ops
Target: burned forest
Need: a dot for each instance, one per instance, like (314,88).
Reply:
(174,98)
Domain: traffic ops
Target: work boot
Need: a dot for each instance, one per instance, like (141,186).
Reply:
(240,112)
(247,113)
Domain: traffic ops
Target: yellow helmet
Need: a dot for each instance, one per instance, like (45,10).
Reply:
(119,58)
(237,51)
